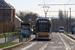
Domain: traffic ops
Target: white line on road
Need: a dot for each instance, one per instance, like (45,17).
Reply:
(29,46)
(51,42)
(65,43)
(68,37)
(40,42)
(44,46)
(59,42)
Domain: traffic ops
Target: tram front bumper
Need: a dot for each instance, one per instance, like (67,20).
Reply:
(42,37)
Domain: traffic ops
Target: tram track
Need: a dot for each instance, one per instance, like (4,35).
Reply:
(43,46)
(67,46)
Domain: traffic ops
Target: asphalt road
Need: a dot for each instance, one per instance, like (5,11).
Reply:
(59,41)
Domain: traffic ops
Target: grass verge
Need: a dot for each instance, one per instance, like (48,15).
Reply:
(5,35)
(2,45)
(67,33)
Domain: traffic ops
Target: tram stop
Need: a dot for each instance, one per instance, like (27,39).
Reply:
(34,29)
(25,30)
(73,27)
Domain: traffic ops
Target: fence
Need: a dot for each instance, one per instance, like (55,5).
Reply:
(14,37)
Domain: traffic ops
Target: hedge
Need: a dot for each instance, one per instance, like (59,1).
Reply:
(6,27)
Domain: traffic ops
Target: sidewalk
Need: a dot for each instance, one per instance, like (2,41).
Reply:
(24,39)
(72,36)
(16,45)
(2,40)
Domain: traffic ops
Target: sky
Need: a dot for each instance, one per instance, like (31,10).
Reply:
(33,6)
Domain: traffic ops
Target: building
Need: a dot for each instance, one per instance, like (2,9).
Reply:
(7,11)
(17,21)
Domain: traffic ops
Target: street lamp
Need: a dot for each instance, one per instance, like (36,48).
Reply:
(46,8)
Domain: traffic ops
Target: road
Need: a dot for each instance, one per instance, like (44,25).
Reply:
(59,41)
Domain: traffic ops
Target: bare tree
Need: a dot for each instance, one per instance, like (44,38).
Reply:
(25,16)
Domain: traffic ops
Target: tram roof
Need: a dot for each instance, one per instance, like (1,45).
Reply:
(43,18)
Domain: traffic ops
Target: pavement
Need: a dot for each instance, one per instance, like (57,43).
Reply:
(21,43)
(24,39)
(2,40)
(72,35)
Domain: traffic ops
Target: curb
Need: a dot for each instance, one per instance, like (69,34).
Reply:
(10,47)
(16,45)
(70,36)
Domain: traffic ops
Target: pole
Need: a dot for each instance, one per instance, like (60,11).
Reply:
(44,2)
(65,17)
(3,24)
(67,22)
(65,11)
(56,24)
(70,19)
(45,15)
(3,21)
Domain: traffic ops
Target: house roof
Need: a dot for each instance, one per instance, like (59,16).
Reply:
(5,5)
(18,18)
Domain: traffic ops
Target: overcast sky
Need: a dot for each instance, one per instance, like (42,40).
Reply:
(32,5)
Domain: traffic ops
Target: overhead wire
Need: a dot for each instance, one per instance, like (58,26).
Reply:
(68,1)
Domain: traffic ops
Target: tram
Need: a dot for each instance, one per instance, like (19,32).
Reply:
(61,29)
(43,28)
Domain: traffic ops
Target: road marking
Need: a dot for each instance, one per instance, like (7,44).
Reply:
(28,46)
(71,43)
(44,46)
(65,43)
(68,37)
(40,42)
(55,41)
(51,42)
(59,42)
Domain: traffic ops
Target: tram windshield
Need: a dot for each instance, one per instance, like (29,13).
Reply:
(43,28)
(61,28)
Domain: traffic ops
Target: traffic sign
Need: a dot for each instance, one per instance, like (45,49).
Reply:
(29,19)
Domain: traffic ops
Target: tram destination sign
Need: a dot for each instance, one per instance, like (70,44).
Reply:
(43,21)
